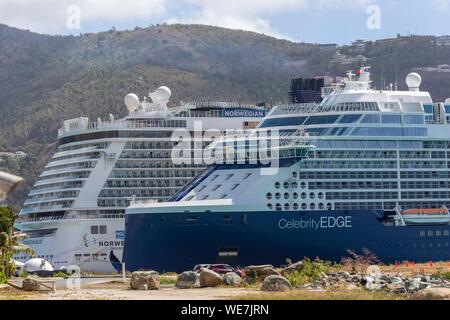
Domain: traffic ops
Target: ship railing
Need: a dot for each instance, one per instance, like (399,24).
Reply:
(295,108)
(71,217)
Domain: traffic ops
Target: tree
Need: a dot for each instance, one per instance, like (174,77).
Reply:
(10,241)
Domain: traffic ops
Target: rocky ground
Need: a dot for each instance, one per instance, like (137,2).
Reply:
(304,280)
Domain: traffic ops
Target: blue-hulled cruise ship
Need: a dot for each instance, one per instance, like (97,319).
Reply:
(363,169)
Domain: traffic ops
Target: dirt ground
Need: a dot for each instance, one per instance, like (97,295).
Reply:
(120,291)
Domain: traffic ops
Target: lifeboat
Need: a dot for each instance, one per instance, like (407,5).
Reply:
(426,216)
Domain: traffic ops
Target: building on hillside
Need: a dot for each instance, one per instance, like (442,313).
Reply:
(443,41)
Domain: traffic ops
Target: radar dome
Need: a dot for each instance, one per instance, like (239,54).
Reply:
(447,101)
(132,102)
(413,81)
(163,94)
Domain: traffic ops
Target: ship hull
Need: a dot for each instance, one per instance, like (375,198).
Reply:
(69,243)
(174,243)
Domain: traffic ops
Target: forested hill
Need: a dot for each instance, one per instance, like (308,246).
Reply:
(46,79)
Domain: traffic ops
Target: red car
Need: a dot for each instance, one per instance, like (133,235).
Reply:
(220,269)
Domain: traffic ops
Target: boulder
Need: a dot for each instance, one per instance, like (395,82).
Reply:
(30,283)
(432,294)
(209,278)
(262,271)
(276,283)
(232,279)
(145,280)
(187,280)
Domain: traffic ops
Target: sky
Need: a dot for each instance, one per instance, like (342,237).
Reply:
(314,21)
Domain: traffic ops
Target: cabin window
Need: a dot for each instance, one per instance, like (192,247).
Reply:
(430,233)
(216,187)
(103,230)
(269,196)
(94,229)
(422,233)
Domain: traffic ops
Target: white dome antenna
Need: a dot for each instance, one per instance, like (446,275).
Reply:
(132,102)
(447,101)
(413,81)
(161,96)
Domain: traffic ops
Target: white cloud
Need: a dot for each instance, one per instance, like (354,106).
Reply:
(252,15)
(50,16)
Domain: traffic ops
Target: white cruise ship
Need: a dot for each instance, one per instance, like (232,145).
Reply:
(74,214)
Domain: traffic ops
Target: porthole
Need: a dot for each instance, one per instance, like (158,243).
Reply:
(277,185)
(278,196)
(321,206)
(278,207)
(269,196)
(312,206)
(287,195)
(294,174)
(304,195)
(286,185)
(270,206)
(294,185)
(287,206)
(312,195)
(295,195)
(320,195)
(304,206)
(303,185)
(295,206)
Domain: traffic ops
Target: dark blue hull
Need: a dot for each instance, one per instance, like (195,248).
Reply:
(176,242)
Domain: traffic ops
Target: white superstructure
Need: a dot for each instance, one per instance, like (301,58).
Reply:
(74,213)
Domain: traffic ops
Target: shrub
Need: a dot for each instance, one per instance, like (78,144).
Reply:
(60,274)
(309,271)
(445,275)
(3,278)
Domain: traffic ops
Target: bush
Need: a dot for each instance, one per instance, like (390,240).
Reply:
(60,274)
(167,280)
(309,271)
(445,275)
(3,278)
(23,274)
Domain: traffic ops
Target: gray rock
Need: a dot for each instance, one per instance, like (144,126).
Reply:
(432,294)
(142,279)
(209,278)
(262,270)
(30,283)
(373,284)
(292,268)
(187,280)
(232,279)
(276,283)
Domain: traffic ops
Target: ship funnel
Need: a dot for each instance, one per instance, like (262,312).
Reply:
(413,81)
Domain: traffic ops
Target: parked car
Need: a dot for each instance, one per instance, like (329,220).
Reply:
(220,269)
